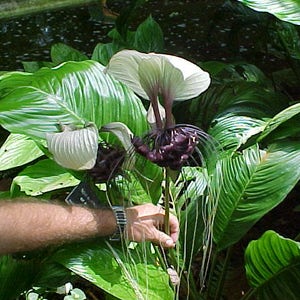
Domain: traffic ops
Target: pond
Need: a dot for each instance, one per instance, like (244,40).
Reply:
(198,30)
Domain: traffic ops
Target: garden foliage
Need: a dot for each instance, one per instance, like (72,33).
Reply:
(251,116)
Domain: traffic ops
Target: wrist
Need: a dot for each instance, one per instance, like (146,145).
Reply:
(121,222)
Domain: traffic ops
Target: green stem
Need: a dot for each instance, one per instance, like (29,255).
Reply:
(167,201)
(211,273)
(187,280)
(223,274)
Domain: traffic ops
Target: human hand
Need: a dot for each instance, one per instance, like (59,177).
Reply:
(144,223)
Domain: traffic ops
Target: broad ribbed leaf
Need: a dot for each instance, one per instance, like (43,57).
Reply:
(72,93)
(233,131)
(18,150)
(279,119)
(241,98)
(273,267)
(43,177)
(254,182)
(286,10)
(125,274)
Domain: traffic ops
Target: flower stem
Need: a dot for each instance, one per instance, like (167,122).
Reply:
(167,201)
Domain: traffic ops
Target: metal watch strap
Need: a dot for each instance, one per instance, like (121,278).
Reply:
(120,215)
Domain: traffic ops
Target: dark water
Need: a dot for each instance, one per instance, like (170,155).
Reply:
(30,38)
(197,30)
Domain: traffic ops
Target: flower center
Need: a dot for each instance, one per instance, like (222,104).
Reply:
(170,147)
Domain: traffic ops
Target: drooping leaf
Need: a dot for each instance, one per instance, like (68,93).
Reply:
(279,119)
(73,93)
(254,182)
(123,274)
(18,150)
(287,10)
(42,177)
(273,267)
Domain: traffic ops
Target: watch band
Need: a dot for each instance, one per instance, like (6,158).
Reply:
(121,219)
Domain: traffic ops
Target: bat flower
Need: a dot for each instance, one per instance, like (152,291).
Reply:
(80,149)
(74,148)
(162,79)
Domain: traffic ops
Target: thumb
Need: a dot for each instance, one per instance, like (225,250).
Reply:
(164,240)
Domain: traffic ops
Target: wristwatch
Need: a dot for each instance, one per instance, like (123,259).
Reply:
(121,219)
(83,195)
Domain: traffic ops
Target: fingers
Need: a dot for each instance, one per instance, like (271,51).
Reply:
(174,228)
(173,225)
(144,223)
(163,240)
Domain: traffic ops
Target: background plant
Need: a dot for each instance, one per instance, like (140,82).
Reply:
(254,117)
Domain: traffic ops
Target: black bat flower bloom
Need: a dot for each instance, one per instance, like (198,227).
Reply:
(171,147)
(169,78)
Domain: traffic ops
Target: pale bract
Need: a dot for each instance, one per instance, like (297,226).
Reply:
(152,75)
(74,149)
(124,134)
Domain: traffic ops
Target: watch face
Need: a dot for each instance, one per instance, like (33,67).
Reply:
(83,195)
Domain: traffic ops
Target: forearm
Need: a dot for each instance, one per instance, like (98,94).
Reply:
(30,225)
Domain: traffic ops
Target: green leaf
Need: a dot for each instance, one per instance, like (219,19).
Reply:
(143,183)
(16,276)
(236,97)
(61,53)
(287,41)
(254,182)
(18,150)
(279,119)
(137,188)
(33,66)
(273,267)
(5,195)
(287,10)
(73,93)
(21,272)
(234,131)
(103,52)
(126,274)
(149,37)
(42,177)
